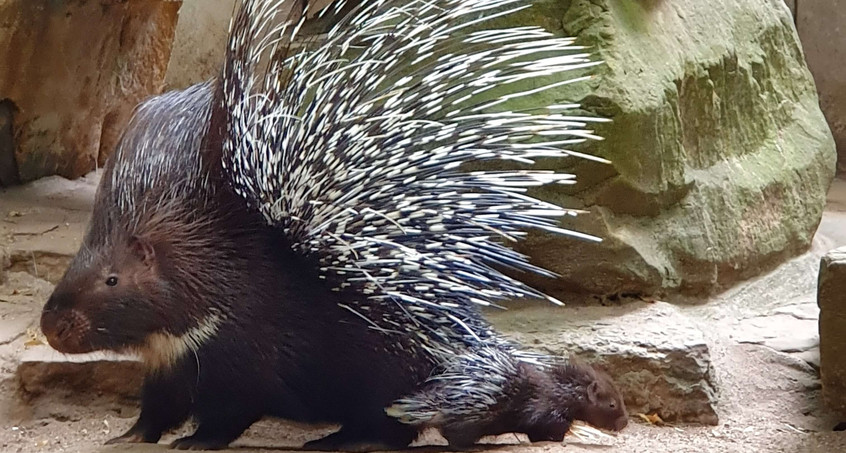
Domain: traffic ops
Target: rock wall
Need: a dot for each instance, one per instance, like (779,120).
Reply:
(822,28)
(72,95)
(721,155)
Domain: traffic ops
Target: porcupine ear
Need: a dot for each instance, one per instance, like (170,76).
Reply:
(143,250)
(593,392)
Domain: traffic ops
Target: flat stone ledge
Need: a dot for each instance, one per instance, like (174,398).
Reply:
(42,370)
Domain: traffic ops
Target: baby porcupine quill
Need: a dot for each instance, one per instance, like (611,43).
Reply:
(348,157)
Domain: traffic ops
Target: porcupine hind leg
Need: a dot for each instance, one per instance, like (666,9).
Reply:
(382,434)
(165,404)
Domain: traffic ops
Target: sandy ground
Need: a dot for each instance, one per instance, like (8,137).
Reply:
(769,401)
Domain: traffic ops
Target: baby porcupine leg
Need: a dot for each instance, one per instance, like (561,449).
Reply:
(383,433)
(461,436)
(548,433)
(164,406)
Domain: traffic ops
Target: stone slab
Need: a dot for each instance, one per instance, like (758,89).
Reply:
(42,370)
(790,329)
(831,298)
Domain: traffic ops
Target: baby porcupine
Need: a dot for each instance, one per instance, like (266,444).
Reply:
(485,392)
(347,157)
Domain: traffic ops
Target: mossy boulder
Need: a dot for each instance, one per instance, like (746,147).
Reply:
(721,157)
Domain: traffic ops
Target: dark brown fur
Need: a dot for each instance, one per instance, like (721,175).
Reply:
(267,339)
(233,325)
(543,404)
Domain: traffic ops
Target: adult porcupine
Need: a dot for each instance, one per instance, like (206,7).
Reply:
(411,233)
(223,308)
(231,326)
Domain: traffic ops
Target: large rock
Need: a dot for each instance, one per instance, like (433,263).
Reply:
(830,297)
(74,71)
(721,155)
(657,356)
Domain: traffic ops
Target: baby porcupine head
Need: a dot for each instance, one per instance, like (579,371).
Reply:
(120,290)
(601,404)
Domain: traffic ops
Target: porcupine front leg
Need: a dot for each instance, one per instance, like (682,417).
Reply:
(222,418)
(214,434)
(165,404)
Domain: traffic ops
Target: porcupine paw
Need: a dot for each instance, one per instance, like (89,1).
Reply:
(134,435)
(198,443)
(128,438)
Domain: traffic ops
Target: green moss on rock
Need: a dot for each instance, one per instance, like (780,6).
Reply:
(721,156)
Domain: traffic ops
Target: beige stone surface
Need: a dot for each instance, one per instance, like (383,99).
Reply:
(201,35)
(199,42)
(822,29)
(74,95)
(832,328)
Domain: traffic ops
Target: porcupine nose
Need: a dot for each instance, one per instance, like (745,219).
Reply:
(64,328)
(621,422)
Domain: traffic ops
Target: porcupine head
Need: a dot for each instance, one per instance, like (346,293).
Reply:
(124,290)
(599,402)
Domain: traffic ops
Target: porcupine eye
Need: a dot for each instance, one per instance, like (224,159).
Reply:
(112,280)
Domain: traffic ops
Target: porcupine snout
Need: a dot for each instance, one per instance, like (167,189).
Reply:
(65,328)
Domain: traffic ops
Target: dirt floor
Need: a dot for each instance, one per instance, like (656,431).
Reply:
(769,400)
